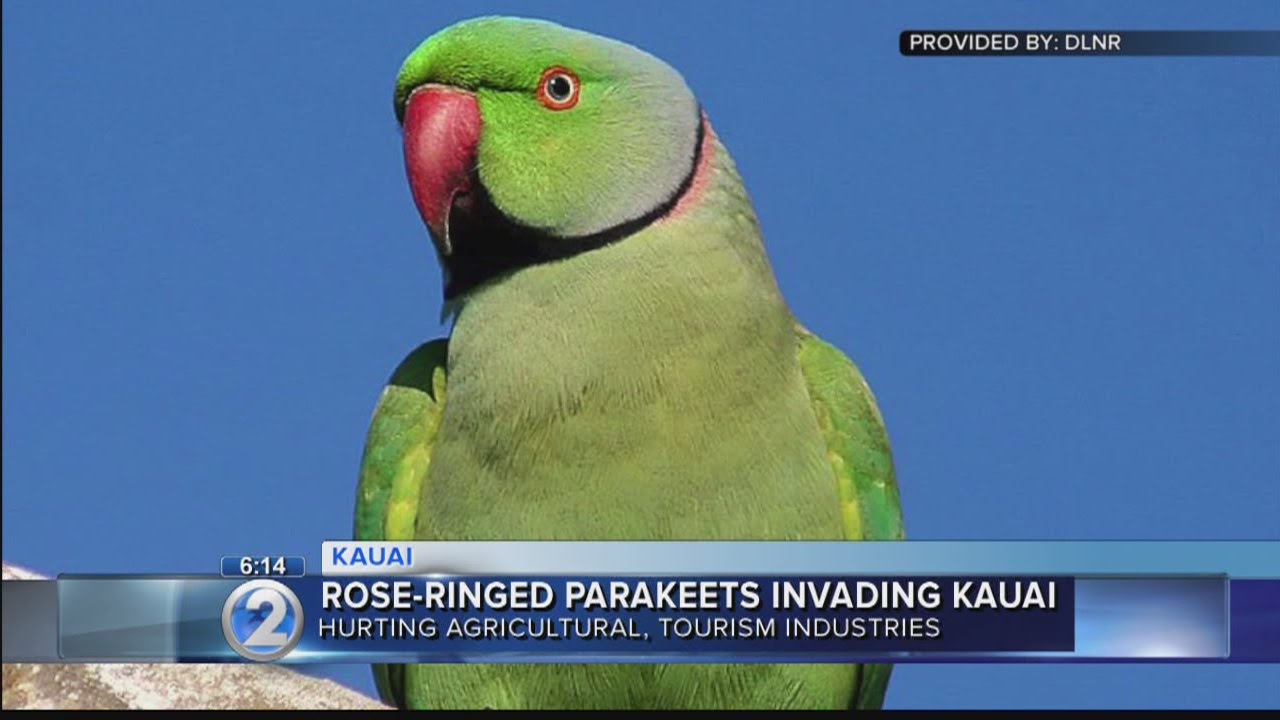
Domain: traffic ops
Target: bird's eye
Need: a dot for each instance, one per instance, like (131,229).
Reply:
(559,89)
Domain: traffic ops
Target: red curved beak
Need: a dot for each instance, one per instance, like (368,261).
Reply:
(441,132)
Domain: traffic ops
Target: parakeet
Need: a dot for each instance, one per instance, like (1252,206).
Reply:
(621,365)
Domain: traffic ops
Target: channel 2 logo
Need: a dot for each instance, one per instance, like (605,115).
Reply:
(262,620)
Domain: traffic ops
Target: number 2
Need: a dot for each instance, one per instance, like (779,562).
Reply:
(266,633)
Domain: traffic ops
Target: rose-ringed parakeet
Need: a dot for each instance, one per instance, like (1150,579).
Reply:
(622,365)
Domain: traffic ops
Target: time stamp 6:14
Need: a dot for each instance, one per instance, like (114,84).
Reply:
(263,565)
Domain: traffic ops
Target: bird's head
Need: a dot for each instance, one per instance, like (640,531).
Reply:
(525,141)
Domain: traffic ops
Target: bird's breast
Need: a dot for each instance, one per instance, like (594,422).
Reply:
(584,411)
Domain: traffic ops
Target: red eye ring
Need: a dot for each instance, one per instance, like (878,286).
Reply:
(559,88)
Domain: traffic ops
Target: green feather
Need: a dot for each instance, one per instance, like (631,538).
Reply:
(858,448)
(858,445)
(394,467)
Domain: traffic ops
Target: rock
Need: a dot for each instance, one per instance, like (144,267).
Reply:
(138,686)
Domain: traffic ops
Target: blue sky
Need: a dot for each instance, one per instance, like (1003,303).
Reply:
(1059,274)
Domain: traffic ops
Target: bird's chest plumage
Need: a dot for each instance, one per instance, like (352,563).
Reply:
(614,428)
(595,413)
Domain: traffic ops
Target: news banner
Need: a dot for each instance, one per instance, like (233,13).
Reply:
(672,602)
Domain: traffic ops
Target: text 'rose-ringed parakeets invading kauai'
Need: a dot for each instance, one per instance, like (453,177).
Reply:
(622,365)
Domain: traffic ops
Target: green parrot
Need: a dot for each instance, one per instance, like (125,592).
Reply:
(622,365)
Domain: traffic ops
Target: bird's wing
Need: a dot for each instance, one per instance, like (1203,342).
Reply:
(393,469)
(862,461)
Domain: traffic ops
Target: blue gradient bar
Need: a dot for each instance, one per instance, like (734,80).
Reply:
(1163,619)
(167,619)
(121,619)
(1238,559)
(1152,618)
